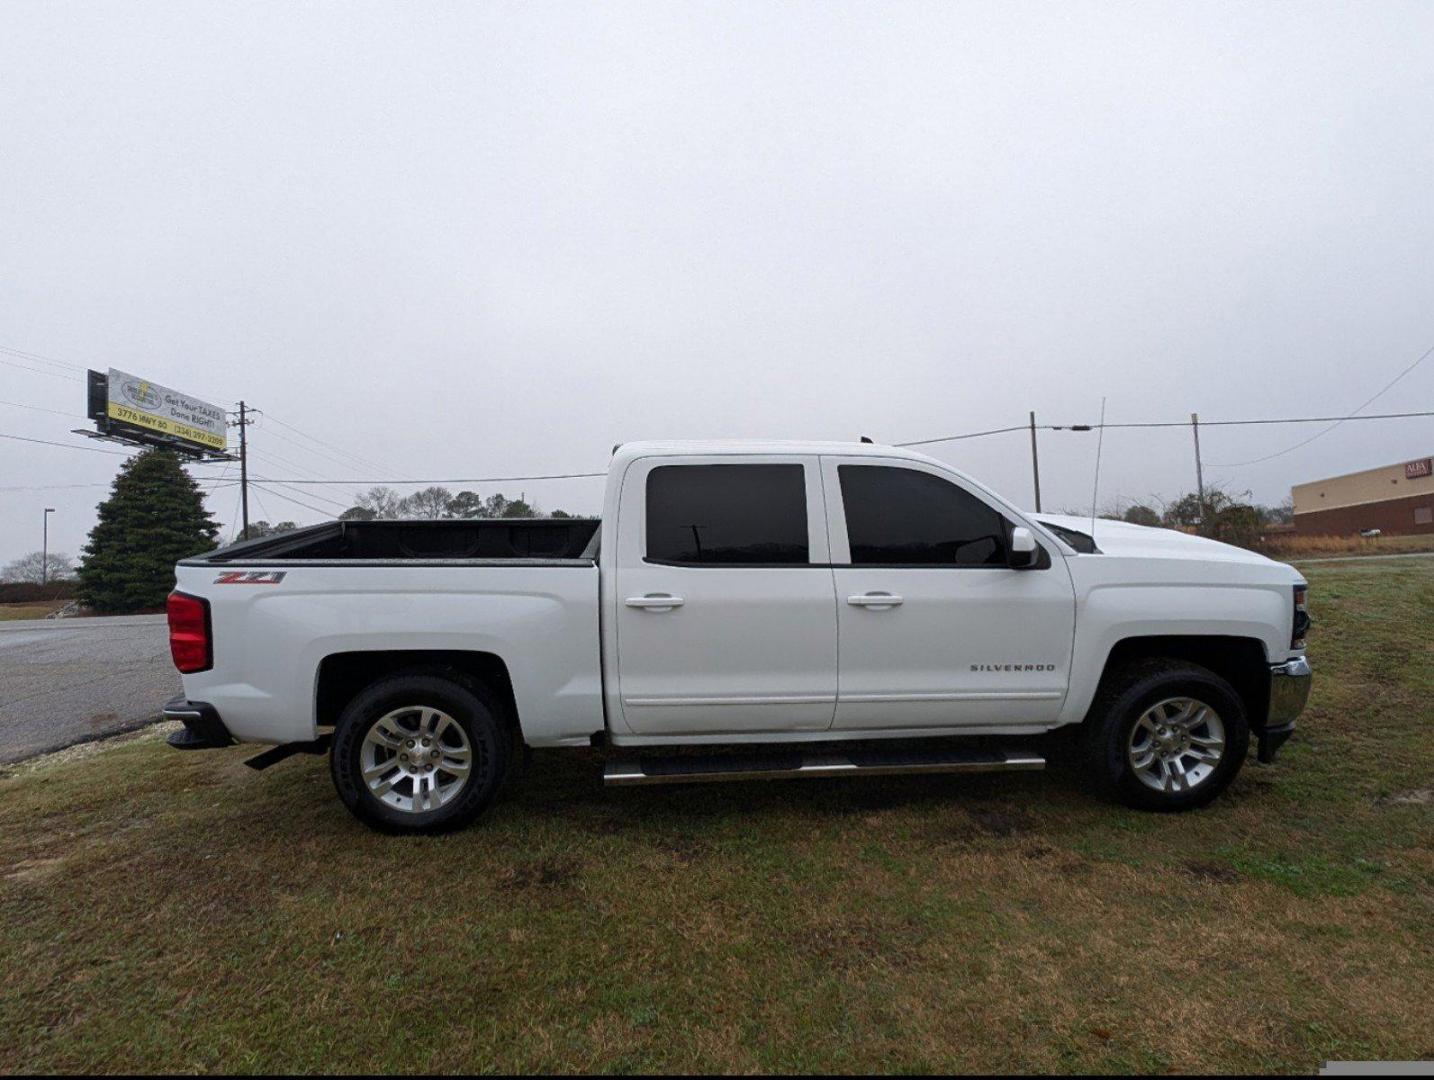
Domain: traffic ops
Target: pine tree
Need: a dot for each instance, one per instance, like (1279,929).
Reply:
(154,517)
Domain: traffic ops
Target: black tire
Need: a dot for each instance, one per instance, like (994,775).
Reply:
(467,703)
(1124,697)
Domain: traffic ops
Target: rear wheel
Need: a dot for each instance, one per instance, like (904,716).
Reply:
(419,753)
(1166,735)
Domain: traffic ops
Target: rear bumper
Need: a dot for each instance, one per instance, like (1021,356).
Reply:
(203,728)
(1289,690)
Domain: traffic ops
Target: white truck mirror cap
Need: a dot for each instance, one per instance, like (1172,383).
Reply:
(1023,553)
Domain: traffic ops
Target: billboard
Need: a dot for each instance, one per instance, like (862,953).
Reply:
(127,406)
(1413,470)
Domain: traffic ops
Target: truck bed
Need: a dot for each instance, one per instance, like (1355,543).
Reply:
(282,607)
(445,540)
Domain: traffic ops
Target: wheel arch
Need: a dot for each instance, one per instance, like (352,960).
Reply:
(1240,661)
(343,675)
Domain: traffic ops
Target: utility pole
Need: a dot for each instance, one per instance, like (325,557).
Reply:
(242,424)
(1199,474)
(1035,464)
(45,548)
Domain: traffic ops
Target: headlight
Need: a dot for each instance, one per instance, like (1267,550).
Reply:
(1302,618)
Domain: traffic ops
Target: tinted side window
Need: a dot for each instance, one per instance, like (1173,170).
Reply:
(903,517)
(727,514)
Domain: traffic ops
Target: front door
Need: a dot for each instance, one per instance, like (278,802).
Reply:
(935,629)
(726,617)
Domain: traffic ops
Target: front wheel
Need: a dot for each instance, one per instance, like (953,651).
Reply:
(418,753)
(1166,735)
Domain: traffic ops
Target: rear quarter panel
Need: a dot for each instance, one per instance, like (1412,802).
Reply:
(269,639)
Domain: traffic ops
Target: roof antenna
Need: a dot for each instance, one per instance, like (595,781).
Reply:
(865,439)
(1095,492)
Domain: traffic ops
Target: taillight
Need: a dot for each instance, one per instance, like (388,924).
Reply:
(189,640)
(1302,618)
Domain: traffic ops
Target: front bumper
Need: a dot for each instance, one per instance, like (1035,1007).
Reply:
(203,729)
(1289,690)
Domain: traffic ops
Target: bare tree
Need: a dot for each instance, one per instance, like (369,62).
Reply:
(432,502)
(376,502)
(27,568)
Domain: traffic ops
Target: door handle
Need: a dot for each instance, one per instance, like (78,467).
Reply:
(654,602)
(874,600)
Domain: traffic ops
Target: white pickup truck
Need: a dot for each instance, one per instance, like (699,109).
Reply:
(742,610)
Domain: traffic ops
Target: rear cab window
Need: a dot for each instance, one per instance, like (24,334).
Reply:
(727,515)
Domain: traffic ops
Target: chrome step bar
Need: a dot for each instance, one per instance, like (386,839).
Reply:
(785,765)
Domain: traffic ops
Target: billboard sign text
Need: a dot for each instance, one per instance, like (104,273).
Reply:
(138,403)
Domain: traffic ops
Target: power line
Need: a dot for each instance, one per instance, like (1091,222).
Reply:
(234,520)
(299,481)
(346,463)
(1353,416)
(41,358)
(41,408)
(222,474)
(917,442)
(347,453)
(75,372)
(1246,423)
(450,480)
(262,508)
(67,446)
(970,435)
(1170,424)
(53,487)
(283,462)
(286,498)
(312,495)
(42,371)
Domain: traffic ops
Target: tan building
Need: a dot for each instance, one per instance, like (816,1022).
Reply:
(1393,499)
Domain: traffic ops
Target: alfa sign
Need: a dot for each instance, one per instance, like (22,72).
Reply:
(1413,470)
(126,405)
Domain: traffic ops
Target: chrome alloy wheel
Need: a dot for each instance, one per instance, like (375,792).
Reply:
(416,759)
(1176,745)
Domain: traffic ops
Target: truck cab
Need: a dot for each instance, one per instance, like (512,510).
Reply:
(825,590)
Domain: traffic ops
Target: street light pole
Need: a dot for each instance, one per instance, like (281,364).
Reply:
(45,547)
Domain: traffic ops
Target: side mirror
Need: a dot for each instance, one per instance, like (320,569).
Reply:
(1023,553)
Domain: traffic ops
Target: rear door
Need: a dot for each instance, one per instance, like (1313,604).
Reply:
(935,629)
(726,615)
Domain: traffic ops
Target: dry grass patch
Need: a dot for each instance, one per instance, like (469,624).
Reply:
(36,610)
(1308,547)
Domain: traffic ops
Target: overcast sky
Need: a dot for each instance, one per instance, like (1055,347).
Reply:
(477,239)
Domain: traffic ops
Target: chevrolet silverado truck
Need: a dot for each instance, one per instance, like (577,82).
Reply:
(742,611)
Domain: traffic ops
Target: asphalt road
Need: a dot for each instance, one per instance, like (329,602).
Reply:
(65,681)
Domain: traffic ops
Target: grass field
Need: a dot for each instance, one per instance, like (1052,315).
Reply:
(161,911)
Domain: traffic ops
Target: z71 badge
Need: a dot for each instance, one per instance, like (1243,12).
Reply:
(250,577)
